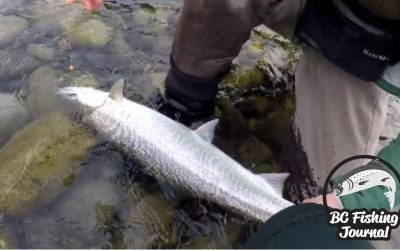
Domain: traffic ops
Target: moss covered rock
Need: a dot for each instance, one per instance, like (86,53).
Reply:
(254,151)
(254,105)
(48,148)
(244,79)
(84,79)
(41,52)
(92,33)
(231,120)
(273,129)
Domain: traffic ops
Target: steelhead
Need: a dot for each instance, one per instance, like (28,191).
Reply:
(371,175)
(178,156)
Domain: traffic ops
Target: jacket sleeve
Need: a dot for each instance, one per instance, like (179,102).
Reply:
(209,36)
(300,227)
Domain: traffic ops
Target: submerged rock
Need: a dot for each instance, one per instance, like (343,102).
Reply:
(10,27)
(16,64)
(254,151)
(92,33)
(85,79)
(10,6)
(40,92)
(54,14)
(254,105)
(273,129)
(75,218)
(48,148)
(41,52)
(153,18)
(149,222)
(231,121)
(13,116)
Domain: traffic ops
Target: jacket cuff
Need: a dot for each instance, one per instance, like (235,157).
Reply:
(190,94)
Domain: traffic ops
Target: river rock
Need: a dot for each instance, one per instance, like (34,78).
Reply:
(273,129)
(244,79)
(75,219)
(254,105)
(46,149)
(84,79)
(10,27)
(254,151)
(40,92)
(54,14)
(92,33)
(153,18)
(15,64)
(41,52)
(10,6)
(231,121)
(13,116)
(149,220)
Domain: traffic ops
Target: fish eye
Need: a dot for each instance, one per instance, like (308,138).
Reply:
(339,184)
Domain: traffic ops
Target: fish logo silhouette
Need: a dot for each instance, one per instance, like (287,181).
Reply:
(371,175)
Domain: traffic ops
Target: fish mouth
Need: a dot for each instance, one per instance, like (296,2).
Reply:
(67,93)
(338,189)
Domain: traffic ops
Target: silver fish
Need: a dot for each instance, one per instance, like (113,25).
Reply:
(365,177)
(178,156)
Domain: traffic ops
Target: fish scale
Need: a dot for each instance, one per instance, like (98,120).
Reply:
(176,155)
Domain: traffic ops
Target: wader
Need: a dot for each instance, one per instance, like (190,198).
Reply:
(337,115)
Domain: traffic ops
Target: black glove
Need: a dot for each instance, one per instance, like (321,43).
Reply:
(189,99)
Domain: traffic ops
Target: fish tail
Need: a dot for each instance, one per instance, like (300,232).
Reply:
(390,196)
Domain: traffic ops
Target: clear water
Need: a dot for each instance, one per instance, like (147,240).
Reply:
(105,200)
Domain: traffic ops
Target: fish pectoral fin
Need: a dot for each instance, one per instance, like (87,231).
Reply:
(390,196)
(116,92)
(206,131)
(276,180)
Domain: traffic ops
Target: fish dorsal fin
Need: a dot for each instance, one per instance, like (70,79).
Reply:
(276,180)
(116,92)
(206,131)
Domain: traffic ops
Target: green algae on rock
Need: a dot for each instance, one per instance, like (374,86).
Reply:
(84,79)
(273,129)
(46,149)
(41,52)
(92,33)
(244,79)
(231,121)
(254,151)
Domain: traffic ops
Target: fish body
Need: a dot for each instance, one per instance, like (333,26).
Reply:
(176,155)
(371,175)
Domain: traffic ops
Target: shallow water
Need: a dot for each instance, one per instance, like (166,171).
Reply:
(60,196)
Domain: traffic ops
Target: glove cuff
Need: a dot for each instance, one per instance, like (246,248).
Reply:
(189,94)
